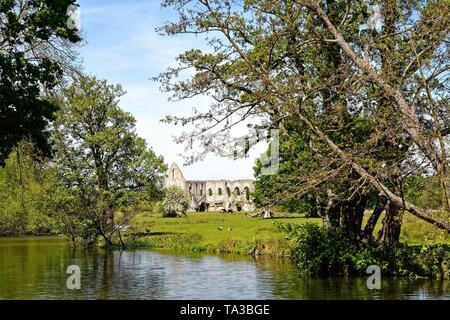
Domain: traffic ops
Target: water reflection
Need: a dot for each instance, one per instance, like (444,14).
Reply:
(32,268)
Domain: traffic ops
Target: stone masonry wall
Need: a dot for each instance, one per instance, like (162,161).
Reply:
(214,195)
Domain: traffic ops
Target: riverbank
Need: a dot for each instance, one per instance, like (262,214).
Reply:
(240,234)
(215,232)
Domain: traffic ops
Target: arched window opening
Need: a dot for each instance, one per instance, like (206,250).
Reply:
(210,192)
(247,193)
(237,191)
(228,192)
(219,191)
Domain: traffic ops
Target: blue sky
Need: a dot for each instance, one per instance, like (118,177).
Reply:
(123,47)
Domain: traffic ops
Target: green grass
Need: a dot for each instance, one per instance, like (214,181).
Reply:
(238,233)
(414,230)
(216,232)
(417,232)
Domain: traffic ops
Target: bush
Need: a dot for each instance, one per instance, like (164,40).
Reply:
(321,251)
(23,207)
(434,260)
(176,202)
(158,208)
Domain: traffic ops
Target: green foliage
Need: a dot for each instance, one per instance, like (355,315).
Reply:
(435,260)
(103,166)
(328,251)
(26,28)
(424,192)
(153,207)
(23,181)
(277,188)
(101,175)
(351,127)
(318,252)
(176,202)
(158,208)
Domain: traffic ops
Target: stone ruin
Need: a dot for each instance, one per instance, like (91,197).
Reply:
(214,195)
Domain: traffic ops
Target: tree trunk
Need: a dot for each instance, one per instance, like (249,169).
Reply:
(351,212)
(390,232)
(121,241)
(358,216)
(107,227)
(332,211)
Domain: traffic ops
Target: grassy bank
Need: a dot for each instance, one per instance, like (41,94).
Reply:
(239,233)
(214,232)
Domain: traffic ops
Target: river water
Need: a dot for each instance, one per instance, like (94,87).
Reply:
(35,268)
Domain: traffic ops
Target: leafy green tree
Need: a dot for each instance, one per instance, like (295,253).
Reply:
(23,184)
(424,191)
(366,108)
(106,170)
(176,202)
(35,46)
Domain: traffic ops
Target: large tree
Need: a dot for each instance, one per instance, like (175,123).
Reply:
(106,171)
(368,107)
(36,45)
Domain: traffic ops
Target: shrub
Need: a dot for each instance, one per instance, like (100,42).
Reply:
(176,202)
(158,208)
(322,251)
(434,260)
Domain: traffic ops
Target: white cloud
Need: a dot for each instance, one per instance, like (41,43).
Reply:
(123,47)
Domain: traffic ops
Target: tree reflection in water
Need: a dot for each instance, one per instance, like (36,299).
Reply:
(35,268)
